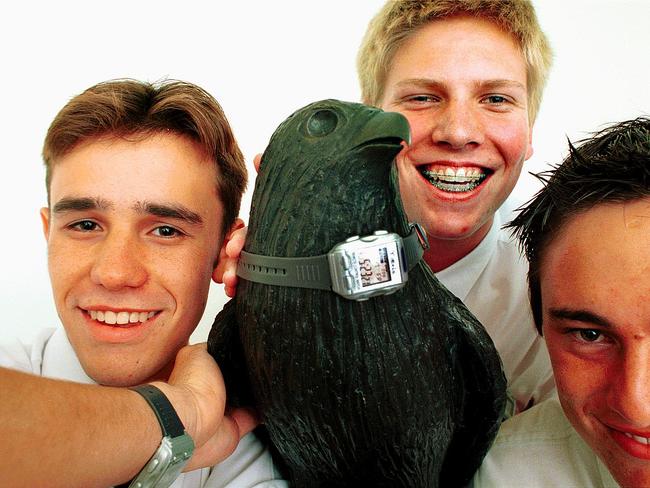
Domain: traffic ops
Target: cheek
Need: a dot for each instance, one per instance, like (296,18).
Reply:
(64,268)
(420,129)
(573,388)
(569,375)
(578,382)
(189,283)
(512,139)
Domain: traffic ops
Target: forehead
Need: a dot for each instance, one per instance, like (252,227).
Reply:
(600,260)
(459,46)
(158,167)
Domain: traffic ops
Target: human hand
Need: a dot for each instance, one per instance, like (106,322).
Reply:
(197,392)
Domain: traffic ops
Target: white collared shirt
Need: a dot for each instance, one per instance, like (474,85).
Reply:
(51,355)
(539,448)
(491,281)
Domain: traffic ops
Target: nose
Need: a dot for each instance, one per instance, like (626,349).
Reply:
(118,263)
(457,126)
(629,394)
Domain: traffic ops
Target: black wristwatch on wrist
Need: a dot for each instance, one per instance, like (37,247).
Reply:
(176,446)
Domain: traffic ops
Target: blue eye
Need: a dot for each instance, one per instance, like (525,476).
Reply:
(321,123)
(498,99)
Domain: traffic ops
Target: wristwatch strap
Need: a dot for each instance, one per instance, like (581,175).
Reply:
(306,272)
(170,423)
(313,271)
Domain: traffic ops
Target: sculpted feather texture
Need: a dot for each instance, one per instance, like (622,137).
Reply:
(399,390)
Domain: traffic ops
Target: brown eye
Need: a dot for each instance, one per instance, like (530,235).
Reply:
(166,231)
(322,123)
(589,335)
(84,226)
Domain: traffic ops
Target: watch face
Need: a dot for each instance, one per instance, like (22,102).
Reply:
(364,267)
(374,266)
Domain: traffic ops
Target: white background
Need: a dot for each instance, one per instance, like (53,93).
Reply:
(261,60)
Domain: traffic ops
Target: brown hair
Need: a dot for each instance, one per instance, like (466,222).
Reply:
(399,19)
(126,107)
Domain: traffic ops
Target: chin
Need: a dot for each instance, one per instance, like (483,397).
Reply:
(627,471)
(629,477)
(120,377)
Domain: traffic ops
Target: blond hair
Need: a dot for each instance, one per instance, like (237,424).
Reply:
(399,19)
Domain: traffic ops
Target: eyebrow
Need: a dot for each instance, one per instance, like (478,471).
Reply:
(429,82)
(580,316)
(72,204)
(163,210)
(173,211)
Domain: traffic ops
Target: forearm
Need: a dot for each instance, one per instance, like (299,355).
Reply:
(57,433)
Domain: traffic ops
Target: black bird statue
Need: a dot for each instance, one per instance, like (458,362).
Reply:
(397,390)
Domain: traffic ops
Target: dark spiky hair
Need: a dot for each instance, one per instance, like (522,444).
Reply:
(612,166)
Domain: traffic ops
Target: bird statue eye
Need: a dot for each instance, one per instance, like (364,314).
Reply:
(322,123)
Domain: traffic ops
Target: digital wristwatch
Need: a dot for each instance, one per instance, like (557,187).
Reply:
(358,268)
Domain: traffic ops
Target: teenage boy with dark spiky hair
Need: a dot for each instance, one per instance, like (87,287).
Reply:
(587,237)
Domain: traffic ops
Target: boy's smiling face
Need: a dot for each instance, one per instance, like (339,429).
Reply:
(133,232)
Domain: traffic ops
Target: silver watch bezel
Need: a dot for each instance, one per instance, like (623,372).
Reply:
(344,265)
(166,464)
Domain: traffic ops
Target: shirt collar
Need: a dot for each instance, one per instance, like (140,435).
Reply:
(61,362)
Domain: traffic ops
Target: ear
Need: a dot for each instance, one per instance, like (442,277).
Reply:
(529,149)
(45,220)
(233,243)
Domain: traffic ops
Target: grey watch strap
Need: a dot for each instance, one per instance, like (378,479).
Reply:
(313,271)
(170,423)
(309,272)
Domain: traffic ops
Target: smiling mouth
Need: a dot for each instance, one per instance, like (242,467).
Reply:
(639,439)
(453,179)
(120,318)
(635,445)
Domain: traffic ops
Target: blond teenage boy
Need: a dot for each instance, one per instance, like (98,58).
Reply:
(469,76)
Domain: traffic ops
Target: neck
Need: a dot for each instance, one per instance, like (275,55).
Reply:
(442,253)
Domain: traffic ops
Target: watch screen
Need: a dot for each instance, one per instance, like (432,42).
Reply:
(374,266)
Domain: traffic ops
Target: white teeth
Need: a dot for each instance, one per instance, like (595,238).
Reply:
(639,439)
(120,318)
(452,179)
(451,174)
(642,440)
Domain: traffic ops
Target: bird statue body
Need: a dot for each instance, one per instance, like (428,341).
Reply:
(399,390)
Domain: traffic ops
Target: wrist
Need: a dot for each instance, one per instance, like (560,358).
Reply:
(176,445)
(182,400)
